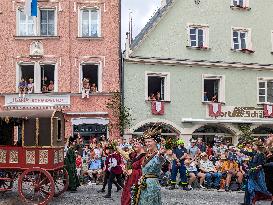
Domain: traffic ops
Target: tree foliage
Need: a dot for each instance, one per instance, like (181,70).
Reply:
(120,112)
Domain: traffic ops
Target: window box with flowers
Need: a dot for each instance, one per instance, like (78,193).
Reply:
(241,40)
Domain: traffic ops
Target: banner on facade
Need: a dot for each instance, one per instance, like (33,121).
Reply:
(157,108)
(36,101)
(232,112)
(215,109)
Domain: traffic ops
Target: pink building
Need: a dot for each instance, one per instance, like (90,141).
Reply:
(69,40)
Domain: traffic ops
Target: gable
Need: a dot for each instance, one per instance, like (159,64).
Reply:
(166,34)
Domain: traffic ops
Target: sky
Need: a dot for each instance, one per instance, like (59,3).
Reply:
(142,11)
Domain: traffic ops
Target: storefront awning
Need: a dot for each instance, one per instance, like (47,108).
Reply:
(100,121)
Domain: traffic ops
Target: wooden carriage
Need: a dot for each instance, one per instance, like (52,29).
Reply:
(32,150)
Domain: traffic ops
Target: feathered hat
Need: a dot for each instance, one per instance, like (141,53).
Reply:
(154,132)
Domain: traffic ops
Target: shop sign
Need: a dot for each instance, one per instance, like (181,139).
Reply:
(232,112)
(37,100)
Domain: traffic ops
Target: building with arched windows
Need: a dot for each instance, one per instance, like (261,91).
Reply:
(203,69)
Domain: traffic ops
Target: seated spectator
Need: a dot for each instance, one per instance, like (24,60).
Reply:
(94,169)
(193,172)
(231,169)
(207,167)
(50,87)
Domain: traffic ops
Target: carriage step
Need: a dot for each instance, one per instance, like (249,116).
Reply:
(6,179)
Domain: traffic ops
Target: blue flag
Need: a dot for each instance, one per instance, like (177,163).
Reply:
(34,8)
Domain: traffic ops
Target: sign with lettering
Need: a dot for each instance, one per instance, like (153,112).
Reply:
(232,112)
(37,100)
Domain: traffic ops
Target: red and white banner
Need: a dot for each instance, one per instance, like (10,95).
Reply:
(215,109)
(157,108)
(268,110)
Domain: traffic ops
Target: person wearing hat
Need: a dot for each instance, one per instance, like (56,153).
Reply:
(230,169)
(193,149)
(210,171)
(113,166)
(256,177)
(180,153)
(70,165)
(148,190)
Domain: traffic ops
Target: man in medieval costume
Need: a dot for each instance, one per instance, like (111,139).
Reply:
(70,165)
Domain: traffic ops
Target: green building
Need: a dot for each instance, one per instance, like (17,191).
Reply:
(209,63)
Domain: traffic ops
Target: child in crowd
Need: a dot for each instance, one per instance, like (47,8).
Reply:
(79,164)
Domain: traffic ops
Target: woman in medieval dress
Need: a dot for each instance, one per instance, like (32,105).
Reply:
(133,171)
(256,178)
(148,192)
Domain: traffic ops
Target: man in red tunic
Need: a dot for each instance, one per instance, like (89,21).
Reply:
(113,165)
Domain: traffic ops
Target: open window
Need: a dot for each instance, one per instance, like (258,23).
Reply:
(213,88)
(25,77)
(91,73)
(47,78)
(158,86)
(59,129)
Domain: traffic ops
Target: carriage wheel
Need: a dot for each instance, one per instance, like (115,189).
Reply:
(61,180)
(36,185)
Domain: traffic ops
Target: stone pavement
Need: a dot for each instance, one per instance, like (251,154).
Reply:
(87,195)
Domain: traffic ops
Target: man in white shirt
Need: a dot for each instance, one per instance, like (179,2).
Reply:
(207,167)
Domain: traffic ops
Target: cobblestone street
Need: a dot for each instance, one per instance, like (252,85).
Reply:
(89,195)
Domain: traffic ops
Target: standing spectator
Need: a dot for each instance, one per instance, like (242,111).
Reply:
(201,145)
(180,153)
(22,88)
(193,149)
(85,88)
(207,167)
(78,164)
(30,86)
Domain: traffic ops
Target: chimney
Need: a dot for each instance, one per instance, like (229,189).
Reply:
(163,3)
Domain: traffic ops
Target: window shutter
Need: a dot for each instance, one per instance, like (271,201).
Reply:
(206,37)
(249,41)
(272,40)
(188,36)
(246,3)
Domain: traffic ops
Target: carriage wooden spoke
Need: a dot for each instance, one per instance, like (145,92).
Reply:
(39,190)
